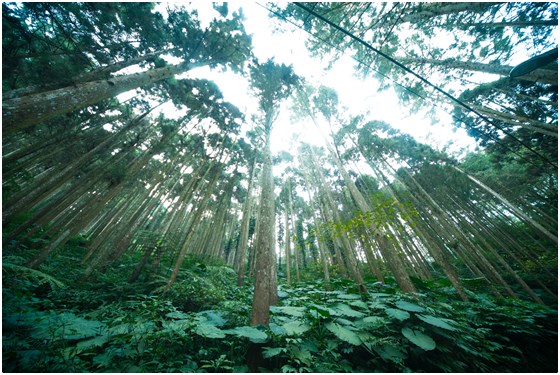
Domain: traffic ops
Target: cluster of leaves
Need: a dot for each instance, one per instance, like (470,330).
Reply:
(384,209)
(49,326)
(386,331)
(106,325)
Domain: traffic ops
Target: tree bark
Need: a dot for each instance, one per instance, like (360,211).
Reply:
(430,10)
(506,203)
(27,111)
(549,76)
(266,293)
(240,254)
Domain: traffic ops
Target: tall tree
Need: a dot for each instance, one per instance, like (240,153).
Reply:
(212,47)
(272,84)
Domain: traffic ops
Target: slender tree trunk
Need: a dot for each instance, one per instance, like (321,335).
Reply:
(27,111)
(240,254)
(320,242)
(549,76)
(525,122)
(506,203)
(531,23)
(287,247)
(101,72)
(296,256)
(266,293)
(427,11)
(196,219)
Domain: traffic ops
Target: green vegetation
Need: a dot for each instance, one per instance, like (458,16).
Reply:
(201,325)
(177,198)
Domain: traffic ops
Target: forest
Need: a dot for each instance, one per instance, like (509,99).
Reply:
(153,221)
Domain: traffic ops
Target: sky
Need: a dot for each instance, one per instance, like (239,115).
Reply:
(358,95)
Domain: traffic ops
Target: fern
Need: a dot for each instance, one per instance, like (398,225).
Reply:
(12,263)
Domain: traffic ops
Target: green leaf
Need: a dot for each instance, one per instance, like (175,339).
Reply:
(377,305)
(276,329)
(177,325)
(391,353)
(397,314)
(346,310)
(211,317)
(177,315)
(92,343)
(323,311)
(252,333)
(296,328)
(66,326)
(288,310)
(272,352)
(416,337)
(438,322)
(403,305)
(360,304)
(371,322)
(210,331)
(349,296)
(344,333)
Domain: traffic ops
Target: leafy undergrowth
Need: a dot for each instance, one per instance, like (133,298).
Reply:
(201,325)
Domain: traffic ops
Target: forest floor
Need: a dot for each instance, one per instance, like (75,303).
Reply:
(51,323)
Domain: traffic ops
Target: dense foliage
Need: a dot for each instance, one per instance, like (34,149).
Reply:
(201,325)
(139,203)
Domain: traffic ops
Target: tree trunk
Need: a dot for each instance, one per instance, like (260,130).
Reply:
(27,111)
(287,247)
(549,76)
(506,203)
(532,23)
(525,122)
(430,10)
(101,72)
(320,242)
(291,208)
(266,293)
(240,254)
(196,219)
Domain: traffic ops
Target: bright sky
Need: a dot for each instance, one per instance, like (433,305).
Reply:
(359,96)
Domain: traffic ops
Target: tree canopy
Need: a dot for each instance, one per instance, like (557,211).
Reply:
(153,221)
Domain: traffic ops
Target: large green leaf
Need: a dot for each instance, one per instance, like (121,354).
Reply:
(66,326)
(371,322)
(212,317)
(92,343)
(272,352)
(438,322)
(359,304)
(177,325)
(344,333)
(296,328)
(288,310)
(391,353)
(320,311)
(252,333)
(418,338)
(177,315)
(349,296)
(403,305)
(398,314)
(343,309)
(210,331)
